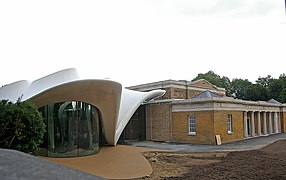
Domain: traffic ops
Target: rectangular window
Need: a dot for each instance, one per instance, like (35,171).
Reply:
(192,125)
(229,124)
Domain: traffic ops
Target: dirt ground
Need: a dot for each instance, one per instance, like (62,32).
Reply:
(266,163)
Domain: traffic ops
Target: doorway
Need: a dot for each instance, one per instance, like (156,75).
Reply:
(135,130)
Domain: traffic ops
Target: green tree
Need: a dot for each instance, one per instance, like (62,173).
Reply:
(239,88)
(216,80)
(21,126)
(264,81)
(282,92)
(275,87)
(257,92)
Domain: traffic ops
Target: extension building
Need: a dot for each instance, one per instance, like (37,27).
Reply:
(79,113)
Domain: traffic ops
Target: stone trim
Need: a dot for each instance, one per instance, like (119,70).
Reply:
(176,84)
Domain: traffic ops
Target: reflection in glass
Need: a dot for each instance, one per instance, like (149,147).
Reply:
(72,129)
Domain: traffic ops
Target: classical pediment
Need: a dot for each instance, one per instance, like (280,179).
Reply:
(202,83)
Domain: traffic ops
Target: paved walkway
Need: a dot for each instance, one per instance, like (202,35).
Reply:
(127,162)
(247,144)
(112,162)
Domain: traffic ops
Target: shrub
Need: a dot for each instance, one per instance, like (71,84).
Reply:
(21,126)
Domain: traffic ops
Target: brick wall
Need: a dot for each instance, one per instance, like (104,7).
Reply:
(158,118)
(283,121)
(178,93)
(167,95)
(220,125)
(204,127)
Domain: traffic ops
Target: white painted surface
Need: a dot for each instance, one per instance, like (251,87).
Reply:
(14,91)
(115,103)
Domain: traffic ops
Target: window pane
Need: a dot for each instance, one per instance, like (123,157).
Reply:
(192,124)
(229,123)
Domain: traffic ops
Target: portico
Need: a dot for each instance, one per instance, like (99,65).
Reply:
(261,123)
(231,119)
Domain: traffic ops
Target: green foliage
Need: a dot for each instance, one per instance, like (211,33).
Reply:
(239,88)
(21,126)
(257,92)
(264,89)
(264,81)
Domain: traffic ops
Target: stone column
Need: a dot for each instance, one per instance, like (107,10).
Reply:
(245,124)
(275,122)
(270,123)
(264,124)
(252,125)
(258,124)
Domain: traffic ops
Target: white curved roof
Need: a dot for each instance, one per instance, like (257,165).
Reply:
(115,103)
(14,91)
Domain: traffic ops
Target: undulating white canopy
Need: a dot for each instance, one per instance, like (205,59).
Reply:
(116,103)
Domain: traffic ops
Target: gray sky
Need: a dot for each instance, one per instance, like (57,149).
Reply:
(136,42)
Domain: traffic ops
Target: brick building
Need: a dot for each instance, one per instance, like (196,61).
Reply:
(195,112)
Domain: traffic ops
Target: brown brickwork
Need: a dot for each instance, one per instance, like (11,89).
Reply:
(193,93)
(220,125)
(204,127)
(178,93)
(208,124)
(167,95)
(158,118)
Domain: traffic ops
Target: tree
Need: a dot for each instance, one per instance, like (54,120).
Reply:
(239,88)
(257,92)
(216,80)
(264,89)
(282,93)
(264,81)
(275,87)
(21,126)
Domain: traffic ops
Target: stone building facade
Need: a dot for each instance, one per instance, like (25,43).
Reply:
(198,112)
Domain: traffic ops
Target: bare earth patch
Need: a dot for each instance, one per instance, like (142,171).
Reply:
(266,163)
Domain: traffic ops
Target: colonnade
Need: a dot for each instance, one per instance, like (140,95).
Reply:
(258,123)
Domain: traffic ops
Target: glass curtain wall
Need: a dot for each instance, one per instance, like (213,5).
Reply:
(72,129)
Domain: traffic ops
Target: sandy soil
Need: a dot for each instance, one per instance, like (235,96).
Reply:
(266,163)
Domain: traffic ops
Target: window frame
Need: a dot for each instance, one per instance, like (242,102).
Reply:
(192,125)
(229,124)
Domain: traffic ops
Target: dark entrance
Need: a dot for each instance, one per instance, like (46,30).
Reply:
(248,126)
(136,127)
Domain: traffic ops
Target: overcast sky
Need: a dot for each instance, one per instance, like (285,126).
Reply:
(135,42)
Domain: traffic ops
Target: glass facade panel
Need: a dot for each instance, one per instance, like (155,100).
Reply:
(72,129)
